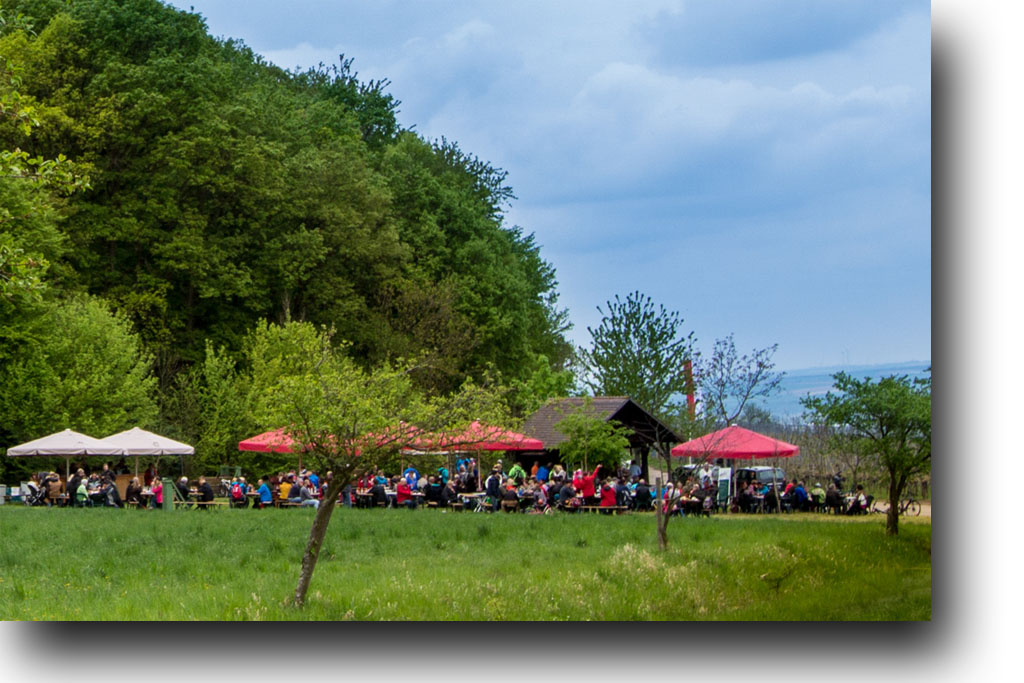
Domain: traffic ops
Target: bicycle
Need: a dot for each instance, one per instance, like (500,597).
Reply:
(907,507)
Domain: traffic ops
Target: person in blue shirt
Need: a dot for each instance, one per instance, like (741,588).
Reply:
(800,497)
(411,476)
(442,472)
(266,497)
(542,472)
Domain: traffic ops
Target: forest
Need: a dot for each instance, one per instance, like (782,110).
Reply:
(163,193)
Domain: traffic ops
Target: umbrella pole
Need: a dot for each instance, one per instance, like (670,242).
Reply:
(67,468)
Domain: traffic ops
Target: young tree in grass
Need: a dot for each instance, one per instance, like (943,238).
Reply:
(889,420)
(591,440)
(344,415)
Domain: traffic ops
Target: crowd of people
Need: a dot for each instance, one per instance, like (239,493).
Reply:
(541,488)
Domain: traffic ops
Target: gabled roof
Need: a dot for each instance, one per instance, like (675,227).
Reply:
(645,427)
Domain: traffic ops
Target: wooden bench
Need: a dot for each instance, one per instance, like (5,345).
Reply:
(208,503)
(606,508)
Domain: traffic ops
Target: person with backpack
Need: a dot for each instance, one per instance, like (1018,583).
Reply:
(237,493)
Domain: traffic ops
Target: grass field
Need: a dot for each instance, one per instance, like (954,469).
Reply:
(58,564)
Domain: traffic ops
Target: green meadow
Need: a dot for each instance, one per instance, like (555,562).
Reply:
(108,564)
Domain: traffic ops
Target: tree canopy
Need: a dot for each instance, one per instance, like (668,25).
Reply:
(225,191)
(181,191)
(638,350)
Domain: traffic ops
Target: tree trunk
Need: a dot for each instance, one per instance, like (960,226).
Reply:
(892,517)
(316,539)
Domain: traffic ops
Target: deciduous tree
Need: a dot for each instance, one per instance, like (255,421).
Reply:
(889,420)
(344,415)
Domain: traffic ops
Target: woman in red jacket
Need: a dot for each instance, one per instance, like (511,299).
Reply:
(588,489)
(403,494)
(608,493)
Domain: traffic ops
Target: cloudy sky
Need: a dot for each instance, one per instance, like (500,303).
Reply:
(762,167)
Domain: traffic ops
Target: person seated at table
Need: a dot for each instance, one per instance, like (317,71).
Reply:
(833,500)
(434,490)
(133,494)
(157,489)
(540,495)
(801,501)
(54,488)
(744,498)
(642,495)
(307,494)
(608,496)
(859,504)
(817,498)
(449,494)
(97,490)
(623,498)
(510,496)
(567,495)
(403,494)
(266,496)
(554,488)
(183,489)
(378,494)
(236,493)
(205,493)
(771,500)
(295,493)
(412,476)
(82,494)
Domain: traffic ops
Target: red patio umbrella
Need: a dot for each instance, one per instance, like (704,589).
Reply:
(479,437)
(735,442)
(276,441)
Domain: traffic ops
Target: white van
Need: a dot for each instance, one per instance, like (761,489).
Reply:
(765,475)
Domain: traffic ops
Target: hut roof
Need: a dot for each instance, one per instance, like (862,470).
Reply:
(646,428)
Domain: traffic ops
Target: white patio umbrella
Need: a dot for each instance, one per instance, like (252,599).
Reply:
(136,442)
(65,444)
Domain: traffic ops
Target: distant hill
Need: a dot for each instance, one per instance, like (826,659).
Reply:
(816,381)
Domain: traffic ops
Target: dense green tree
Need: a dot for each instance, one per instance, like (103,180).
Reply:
(638,350)
(889,421)
(226,191)
(84,369)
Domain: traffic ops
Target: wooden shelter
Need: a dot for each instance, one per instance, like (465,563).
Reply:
(645,429)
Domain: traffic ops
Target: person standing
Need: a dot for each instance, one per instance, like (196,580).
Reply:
(493,489)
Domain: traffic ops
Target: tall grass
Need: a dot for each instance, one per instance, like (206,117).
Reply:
(58,564)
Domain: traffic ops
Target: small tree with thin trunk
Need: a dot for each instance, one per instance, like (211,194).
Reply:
(345,416)
(591,440)
(728,381)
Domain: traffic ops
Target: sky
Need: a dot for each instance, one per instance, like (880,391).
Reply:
(760,166)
